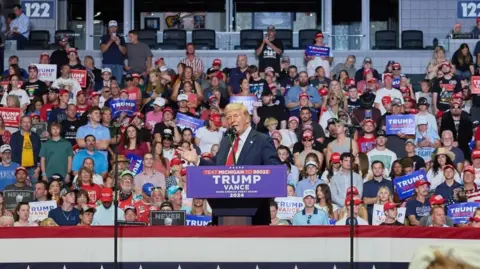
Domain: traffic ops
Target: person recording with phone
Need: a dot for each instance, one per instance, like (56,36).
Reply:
(113,50)
(269,51)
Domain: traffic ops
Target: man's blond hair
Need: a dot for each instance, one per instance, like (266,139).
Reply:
(236,107)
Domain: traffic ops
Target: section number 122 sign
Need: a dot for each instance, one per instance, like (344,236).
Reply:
(38,9)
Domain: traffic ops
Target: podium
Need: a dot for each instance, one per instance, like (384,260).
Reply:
(238,195)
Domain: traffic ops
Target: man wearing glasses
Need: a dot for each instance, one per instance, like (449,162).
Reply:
(459,123)
(310,215)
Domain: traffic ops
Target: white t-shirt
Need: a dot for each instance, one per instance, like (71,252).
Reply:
(386,156)
(22,97)
(324,120)
(316,62)
(208,139)
(393,93)
(289,138)
(343,221)
(73,85)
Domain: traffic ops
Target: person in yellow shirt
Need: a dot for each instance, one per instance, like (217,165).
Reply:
(26,148)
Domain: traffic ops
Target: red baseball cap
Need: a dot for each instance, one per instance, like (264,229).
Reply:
(34,115)
(217,119)
(356,201)
(21,168)
(477,218)
(206,155)
(389,205)
(368,120)
(457,95)
(106,195)
(475,154)
(94,94)
(387,75)
(350,81)
(372,80)
(469,168)
(323,92)
(335,157)
(62,92)
(80,93)
(448,166)
(366,71)
(440,114)
(386,100)
(421,182)
(135,75)
(211,98)
(317,35)
(355,190)
(396,66)
(123,91)
(168,109)
(413,111)
(303,94)
(478,19)
(217,62)
(307,134)
(436,200)
(176,161)
(447,63)
(183,172)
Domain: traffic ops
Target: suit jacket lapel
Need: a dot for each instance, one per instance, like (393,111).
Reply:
(222,155)
(247,146)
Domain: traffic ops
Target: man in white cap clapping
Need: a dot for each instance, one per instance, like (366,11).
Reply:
(113,51)
(310,215)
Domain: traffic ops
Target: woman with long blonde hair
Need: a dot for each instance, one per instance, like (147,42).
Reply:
(200,208)
(438,57)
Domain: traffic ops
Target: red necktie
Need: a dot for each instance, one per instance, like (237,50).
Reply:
(234,149)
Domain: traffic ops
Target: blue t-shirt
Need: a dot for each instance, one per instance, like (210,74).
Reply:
(235,76)
(100,132)
(100,163)
(7,175)
(445,191)
(113,55)
(63,218)
(57,115)
(418,209)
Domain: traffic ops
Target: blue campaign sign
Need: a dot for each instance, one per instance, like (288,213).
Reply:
(405,185)
(247,101)
(404,124)
(460,213)
(118,106)
(198,220)
(468,9)
(254,181)
(183,121)
(39,9)
(136,163)
(319,51)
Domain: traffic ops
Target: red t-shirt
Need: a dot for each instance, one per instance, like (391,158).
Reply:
(140,151)
(45,111)
(143,211)
(365,144)
(94,193)
(81,110)
(133,94)
(124,203)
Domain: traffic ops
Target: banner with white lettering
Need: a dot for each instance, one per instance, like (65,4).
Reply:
(319,51)
(11,116)
(425,153)
(39,210)
(127,106)
(13,197)
(168,218)
(396,124)
(288,206)
(378,215)
(47,72)
(80,76)
(136,163)
(460,213)
(198,220)
(183,121)
(405,185)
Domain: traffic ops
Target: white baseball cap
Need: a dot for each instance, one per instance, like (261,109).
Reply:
(311,163)
(163,68)
(5,147)
(112,23)
(422,120)
(106,70)
(182,97)
(159,101)
(309,193)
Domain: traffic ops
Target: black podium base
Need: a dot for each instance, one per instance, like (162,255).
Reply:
(236,211)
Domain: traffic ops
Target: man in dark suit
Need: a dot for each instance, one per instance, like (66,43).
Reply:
(250,147)
(459,122)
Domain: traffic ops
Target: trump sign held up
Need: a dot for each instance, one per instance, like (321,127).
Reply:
(80,76)
(183,121)
(136,163)
(119,106)
(245,100)
(404,124)
(405,185)
(460,213)
(236,181)
(288,206)
(10,116)
(39,210)
(193,220)
(319,51)
(378,215)
(47,72)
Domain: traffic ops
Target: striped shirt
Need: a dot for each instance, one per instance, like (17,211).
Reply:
(196,64)
(473,195)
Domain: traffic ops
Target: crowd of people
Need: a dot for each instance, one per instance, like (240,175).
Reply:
(327,122)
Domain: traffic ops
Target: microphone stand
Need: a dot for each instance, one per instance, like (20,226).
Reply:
(351,132)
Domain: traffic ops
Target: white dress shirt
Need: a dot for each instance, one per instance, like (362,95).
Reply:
(241,142)
(22,23)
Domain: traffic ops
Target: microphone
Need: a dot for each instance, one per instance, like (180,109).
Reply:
(232,133)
